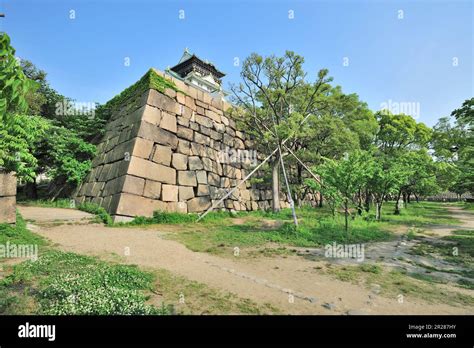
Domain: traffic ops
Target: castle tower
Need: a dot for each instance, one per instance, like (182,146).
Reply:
(199,73)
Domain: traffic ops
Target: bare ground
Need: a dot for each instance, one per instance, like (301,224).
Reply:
(276,280)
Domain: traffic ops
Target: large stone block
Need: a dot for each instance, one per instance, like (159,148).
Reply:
(132,205)
(151,114)
(195,163)
(187,178)
(178,207)
(152,189)
(169,193)
(245,194)
(181,98)
(214,116)
(133,184)
(184,147)
(162,155)
(8,209)
(213,179)
(157,135)
(198,204)
(216,192)
(201,138)
(203,190)
(185,193)
(198,149)
(142,148)
(184,122)
(201,177)
(7,184)
(169,122)
(180,161)
(150,170)
(186,133)
(162,101)
(204,121)
(207,164)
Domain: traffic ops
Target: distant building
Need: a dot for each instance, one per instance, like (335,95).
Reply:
(200,73)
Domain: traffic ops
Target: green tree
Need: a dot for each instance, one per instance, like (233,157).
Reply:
(18,132)
(387,177)
(275,99)
(63,153)
(420,175)
(452,143)
(343,179)
(465,152)
(338,124)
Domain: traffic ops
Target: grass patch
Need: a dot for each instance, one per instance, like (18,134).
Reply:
(317,227)
(468,206)
(100,213)
(394,283)
(19,234)
(151,80)
(419,214)
(312,232)
(63,283)
(170,218)
(58,203)
(459,252)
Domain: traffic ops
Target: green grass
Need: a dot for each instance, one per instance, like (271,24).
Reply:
(419,214)
(19,234)
(468,206)
(100,213)
(151,80)
(313,231)
(47,203)
(62,283)
(394,283)
(170,218)
(460,252)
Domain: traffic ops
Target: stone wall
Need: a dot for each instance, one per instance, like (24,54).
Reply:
(7,197)
(163,151)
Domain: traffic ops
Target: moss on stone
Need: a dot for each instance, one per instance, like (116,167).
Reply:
(151,80)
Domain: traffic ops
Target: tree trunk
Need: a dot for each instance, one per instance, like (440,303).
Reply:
(408,197)
(320,199)
(276,184)
(378,210)
(397,204)
(416,197)
(367,200)
(404,195)
(359,203)
(346,215)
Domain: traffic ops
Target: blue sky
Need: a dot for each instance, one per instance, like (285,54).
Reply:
(408,60)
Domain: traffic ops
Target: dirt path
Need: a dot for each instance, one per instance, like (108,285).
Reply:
(264,280)
(52,215)
(467,222)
